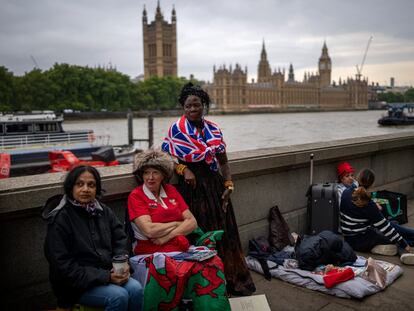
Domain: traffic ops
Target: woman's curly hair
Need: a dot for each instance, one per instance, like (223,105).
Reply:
(191,89)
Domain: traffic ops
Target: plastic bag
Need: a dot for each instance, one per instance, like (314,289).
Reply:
(375,274)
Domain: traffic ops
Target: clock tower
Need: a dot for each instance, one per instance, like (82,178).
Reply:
(325,67)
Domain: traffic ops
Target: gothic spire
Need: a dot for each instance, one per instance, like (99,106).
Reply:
(144,15)
(158,14)
(173,16)
(291,76)
(325,54)
(263,71)
(263,55)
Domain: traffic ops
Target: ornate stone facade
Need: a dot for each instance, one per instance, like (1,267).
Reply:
(230,90)
(160,45)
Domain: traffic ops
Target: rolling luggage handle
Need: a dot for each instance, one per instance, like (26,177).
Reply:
(325,184)
(308,193)
(311,170)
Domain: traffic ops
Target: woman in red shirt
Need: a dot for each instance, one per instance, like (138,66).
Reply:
(160,219)
(159,216)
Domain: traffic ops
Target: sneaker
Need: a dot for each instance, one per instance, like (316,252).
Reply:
(386,250)
(407,258)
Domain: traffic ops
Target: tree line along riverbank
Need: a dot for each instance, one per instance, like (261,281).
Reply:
(86,89)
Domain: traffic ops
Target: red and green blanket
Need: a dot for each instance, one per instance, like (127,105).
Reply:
(169,280)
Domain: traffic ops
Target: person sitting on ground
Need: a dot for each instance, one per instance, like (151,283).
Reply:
(346,179)
(365,228)
(160,220)
(83,236)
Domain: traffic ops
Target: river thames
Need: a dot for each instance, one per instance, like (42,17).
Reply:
(253,131)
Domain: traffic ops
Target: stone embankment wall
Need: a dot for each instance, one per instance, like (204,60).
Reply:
(86,115)
(263,178)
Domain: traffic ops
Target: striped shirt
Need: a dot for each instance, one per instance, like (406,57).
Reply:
(357,220)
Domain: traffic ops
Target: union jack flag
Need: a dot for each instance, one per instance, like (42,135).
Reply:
(188,144)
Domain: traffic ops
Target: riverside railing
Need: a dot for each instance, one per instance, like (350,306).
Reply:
(43,140)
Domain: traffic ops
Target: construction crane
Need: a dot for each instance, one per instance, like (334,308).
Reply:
(34,62)
(359,68)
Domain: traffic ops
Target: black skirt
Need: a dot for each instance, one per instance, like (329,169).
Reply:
(206,205)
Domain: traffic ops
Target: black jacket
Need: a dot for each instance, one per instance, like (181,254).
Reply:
(79,248)
(322,249)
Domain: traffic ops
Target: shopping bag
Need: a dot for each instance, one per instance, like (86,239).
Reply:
(394,205)
(375,273)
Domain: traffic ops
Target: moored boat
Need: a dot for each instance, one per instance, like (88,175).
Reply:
(29,138)
(398,114)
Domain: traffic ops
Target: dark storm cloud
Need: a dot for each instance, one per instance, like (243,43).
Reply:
(209,32)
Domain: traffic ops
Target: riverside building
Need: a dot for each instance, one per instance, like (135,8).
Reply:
(274,90)
(230,90)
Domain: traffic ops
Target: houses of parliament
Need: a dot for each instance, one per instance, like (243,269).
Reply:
(230,90)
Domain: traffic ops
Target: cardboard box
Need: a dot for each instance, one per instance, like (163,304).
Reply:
(249,303)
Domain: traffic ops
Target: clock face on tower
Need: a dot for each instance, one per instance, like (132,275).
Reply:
(329,66)
(322,66)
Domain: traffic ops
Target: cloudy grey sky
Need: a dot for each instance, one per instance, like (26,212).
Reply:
(103,32)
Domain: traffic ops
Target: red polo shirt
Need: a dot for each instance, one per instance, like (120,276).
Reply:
(142,202)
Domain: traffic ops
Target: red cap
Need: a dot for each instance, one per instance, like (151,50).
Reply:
(344,168)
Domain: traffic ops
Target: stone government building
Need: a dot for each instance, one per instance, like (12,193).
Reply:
(231,92)
(160,45)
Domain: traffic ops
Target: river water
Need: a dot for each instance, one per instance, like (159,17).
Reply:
(253,131)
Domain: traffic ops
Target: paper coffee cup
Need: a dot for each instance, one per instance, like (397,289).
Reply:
(120,264)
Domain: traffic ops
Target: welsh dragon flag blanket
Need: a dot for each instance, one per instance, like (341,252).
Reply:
(168,281)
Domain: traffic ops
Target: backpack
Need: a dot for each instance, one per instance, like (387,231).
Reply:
(279,232)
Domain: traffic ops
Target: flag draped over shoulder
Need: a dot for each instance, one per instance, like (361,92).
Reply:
(188,144)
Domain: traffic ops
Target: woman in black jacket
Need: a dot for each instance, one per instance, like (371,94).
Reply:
(82,238)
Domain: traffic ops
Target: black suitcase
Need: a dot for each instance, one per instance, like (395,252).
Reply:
(322,209)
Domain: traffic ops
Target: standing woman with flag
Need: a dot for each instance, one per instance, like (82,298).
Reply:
(201,152)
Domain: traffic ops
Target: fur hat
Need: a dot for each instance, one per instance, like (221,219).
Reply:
(155,159)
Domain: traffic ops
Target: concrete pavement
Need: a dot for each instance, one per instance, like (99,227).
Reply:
(398,296)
